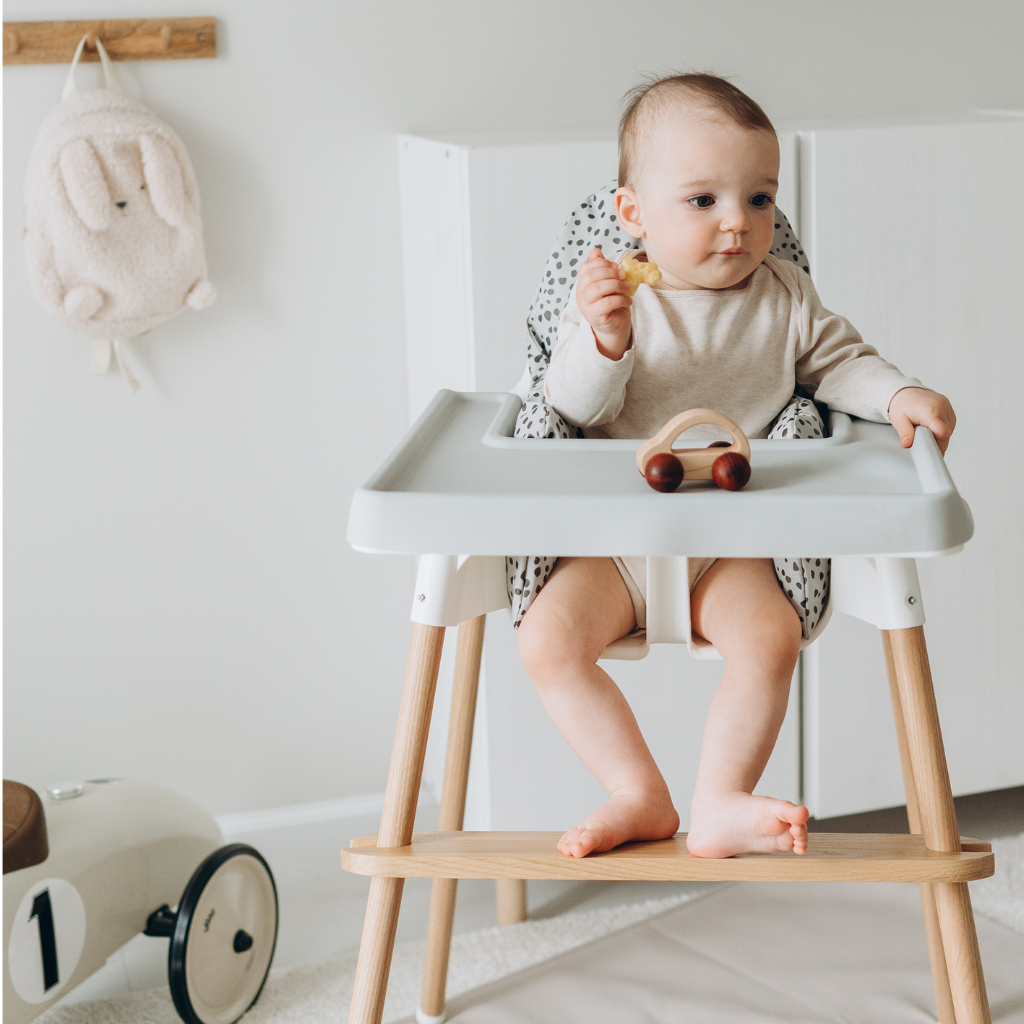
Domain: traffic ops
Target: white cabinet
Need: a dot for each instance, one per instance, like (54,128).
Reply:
(477,219)
(914,234)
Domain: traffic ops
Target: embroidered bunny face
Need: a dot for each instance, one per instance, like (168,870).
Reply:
(109,181)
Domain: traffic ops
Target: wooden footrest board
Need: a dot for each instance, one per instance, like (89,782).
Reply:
(830,857)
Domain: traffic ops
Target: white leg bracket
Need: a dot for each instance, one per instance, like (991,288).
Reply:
(883,591)
(453,588)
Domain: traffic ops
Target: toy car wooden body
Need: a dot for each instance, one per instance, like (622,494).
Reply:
(102,861)
(696,463)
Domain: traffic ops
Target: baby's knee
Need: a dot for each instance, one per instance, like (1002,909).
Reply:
(547,643)
(776,636)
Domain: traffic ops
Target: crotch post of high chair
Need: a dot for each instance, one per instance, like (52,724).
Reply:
(886,592)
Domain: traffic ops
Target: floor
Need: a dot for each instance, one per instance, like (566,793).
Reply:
(322,906)
(757,953)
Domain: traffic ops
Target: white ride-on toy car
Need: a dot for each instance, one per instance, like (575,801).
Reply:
(92,864)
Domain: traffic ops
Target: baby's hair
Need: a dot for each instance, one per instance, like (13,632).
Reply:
(644,102)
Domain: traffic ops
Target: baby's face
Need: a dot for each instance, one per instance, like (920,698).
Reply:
(705,200)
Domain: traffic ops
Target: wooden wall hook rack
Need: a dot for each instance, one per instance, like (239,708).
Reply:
(54,42)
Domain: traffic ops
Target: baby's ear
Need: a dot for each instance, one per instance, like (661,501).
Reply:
(85,184)
(163,178)
(627,209)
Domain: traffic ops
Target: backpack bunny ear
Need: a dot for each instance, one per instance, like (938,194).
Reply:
(163,178)
(85,184)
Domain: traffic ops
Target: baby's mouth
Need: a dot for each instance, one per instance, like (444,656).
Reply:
(733,252)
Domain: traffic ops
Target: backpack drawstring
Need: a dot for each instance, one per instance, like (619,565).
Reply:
(107,350)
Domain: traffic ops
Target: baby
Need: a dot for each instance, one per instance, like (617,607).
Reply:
(728,327)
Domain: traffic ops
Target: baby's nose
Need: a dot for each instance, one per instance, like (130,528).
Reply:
(121,205)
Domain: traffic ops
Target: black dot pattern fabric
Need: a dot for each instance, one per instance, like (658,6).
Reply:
(805,581)
(594,224)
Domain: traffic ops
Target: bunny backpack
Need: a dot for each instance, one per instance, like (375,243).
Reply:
(113,237)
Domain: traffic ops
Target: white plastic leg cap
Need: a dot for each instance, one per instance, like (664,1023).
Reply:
(426,1018)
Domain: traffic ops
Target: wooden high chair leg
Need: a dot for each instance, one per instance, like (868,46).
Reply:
(511,896)
(936,954)
(453,808)
(396,823)
(938,821)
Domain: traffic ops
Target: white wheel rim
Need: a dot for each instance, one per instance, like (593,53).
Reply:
(222,983)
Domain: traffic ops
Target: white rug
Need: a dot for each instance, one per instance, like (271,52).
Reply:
(1001,897)
(321,993)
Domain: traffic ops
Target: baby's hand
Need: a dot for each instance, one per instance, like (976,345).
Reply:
(912,406)
(603,298)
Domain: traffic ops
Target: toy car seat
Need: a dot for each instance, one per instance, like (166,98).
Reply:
(25,841)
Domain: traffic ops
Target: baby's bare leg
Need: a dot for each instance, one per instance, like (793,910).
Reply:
(739,607)
(583,608)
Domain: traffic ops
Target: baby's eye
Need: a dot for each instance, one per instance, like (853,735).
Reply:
(702,202)
(761,200)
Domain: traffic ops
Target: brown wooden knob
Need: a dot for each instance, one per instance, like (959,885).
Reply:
(730,471)
(664,472)
(720,444)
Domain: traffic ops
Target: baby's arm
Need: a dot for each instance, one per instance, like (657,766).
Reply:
(592,363)
(849,375)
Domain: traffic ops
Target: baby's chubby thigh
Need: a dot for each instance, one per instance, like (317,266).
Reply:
(738,606)
(583,607)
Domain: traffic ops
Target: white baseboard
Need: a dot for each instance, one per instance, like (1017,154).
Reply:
(300,814)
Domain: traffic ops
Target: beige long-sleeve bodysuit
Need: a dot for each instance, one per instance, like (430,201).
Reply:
(741,352)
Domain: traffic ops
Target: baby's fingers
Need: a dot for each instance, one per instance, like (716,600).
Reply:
(590,291)
(902,425)
(603,308)
(600,270)
(941,426)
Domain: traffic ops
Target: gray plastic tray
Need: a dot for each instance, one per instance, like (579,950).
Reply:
(459,483)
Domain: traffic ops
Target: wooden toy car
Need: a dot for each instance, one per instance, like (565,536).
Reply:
(665,467)
(92,864)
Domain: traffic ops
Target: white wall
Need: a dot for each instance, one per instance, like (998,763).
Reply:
(180,603)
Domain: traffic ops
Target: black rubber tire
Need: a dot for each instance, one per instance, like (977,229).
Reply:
(177,975)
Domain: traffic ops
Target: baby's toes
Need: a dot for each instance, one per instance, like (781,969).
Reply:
(799,834)
(784,840)
(577,842)
(583,840)
(568,839)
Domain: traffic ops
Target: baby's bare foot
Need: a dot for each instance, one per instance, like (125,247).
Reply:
(733,823)
(629,815)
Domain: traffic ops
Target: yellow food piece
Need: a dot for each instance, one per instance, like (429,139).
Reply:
(638,273)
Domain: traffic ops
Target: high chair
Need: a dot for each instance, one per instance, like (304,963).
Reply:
(460,482)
